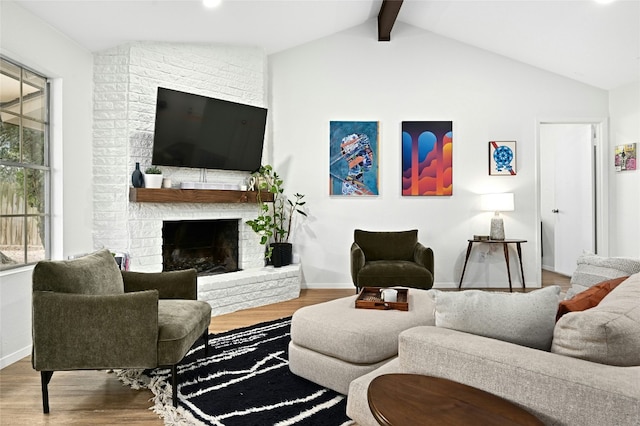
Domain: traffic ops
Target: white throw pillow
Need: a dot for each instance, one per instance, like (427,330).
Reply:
(592,269)
(525,319)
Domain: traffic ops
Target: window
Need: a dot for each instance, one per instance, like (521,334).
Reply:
(24,166)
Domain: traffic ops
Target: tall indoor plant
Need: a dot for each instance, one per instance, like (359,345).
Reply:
(276,218)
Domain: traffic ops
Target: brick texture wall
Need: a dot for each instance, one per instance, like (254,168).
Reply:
(126,79)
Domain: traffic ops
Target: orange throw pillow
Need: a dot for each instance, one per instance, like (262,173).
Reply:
(588,298)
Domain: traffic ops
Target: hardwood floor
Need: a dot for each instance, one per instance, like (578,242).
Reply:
(98,398)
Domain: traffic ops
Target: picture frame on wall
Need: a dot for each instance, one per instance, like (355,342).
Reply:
(427,158)
(502,158)
(353,158)
(625,157)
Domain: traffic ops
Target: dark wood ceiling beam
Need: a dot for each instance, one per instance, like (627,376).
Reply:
(387,17)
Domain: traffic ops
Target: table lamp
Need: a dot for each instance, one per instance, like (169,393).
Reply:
(502,202)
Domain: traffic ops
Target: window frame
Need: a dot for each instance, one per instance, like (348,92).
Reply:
(45,214)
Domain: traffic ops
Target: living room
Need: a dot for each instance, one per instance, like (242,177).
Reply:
(344,76)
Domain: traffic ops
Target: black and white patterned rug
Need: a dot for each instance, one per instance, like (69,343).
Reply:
(244,381)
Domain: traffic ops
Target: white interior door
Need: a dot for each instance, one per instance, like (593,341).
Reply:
(568,195)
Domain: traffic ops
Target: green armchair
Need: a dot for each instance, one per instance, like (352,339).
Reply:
(88,315)
(385,259)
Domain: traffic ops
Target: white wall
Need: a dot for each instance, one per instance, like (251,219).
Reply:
(416,76)
(33,43)
(624,108)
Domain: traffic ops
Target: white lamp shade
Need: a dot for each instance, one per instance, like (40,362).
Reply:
(502,202)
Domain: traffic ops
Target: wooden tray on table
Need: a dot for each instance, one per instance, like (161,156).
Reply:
(370,298)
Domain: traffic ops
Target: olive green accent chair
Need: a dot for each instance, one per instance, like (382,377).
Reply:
(388,259)
(89,315)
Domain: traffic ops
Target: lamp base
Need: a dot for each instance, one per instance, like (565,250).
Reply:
(497,228)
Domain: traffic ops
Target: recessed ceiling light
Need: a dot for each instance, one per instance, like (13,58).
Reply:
(604,1)
(211,3)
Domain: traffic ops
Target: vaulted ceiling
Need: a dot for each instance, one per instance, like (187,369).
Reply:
(581,39)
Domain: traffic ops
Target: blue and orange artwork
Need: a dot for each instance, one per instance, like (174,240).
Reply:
(502,158)
(353,150)
(427,159)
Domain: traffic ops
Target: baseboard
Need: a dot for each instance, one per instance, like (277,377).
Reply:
(5,361)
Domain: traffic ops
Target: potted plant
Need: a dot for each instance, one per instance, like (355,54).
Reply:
(153,177)
(275,219)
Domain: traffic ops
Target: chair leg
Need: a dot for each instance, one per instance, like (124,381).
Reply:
(174,384)
(205,336)
(45,378)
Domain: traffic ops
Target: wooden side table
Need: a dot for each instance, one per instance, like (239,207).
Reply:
(505,246)
(412,399)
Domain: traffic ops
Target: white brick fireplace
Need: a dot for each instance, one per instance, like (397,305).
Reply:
(126,79)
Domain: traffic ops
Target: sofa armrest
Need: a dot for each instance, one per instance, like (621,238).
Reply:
(555,388)
(80,331)
(423,256)
(170,285)
(357,262)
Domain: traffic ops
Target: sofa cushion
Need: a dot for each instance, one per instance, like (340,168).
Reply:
(96,273)
(608,333)
(589,298)
(388,273)
(526,319)
(592,269)
(360,336)
(395,245)
(180,324)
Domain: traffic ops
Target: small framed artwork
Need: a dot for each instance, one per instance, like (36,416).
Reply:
(625,157)
(502,158)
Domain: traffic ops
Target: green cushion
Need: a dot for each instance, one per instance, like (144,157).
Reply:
(180,324)
(96,273)
(385,273)
(386,245)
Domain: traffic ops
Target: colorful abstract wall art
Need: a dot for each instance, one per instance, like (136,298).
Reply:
(625,157)
(427,158)
(353,151)
(502,158)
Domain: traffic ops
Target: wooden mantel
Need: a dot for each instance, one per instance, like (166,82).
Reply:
(167,195)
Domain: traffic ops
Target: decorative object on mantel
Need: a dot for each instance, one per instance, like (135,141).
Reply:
(136,177)
(274,223)
(502,202)
(153,177)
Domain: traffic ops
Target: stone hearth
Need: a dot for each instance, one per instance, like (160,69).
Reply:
(249,288)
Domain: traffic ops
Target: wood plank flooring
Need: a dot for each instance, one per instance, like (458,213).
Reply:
(98,398)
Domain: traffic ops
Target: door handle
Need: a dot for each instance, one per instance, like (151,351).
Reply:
(555,211)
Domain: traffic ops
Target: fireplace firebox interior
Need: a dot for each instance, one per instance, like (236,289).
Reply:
(210,246)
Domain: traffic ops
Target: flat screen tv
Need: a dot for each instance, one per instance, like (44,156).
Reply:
(201,132)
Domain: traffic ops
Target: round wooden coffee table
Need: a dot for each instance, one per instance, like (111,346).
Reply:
(411,399)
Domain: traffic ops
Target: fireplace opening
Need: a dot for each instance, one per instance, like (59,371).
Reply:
(210,246)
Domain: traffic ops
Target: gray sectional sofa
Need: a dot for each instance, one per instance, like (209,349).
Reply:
(590,376)
(583,369)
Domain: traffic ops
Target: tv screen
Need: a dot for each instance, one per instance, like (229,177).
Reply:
(201,132)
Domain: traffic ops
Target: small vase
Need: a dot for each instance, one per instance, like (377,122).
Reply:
(136,177)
